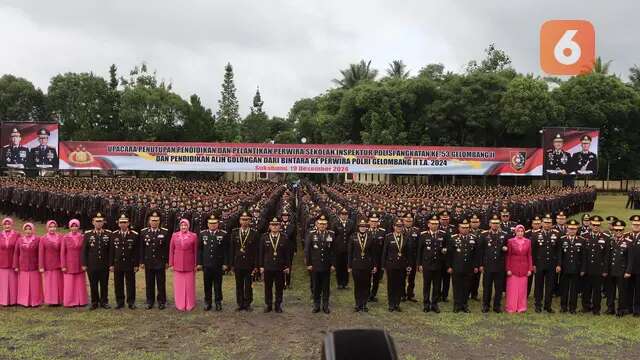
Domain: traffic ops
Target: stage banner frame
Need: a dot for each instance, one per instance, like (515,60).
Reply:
(570,151)
(29,145)
(299,158)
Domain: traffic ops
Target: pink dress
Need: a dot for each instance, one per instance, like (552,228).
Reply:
(25,259)
(74,280)
(49,260)
(519,262)
(182,257)
(8,277)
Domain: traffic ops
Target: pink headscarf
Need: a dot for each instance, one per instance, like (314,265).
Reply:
(518,227)
(185,221)
(29,225)
(7,219)
(74,222)
(51,222)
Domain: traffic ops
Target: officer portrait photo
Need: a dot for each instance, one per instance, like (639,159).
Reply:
(15,155)
(30,145)
(570,151)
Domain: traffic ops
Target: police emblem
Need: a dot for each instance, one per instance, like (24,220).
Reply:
(518,160)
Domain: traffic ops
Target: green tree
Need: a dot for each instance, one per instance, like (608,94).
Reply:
(199,124)
(256,127)
(355,74)
(634,77)
(228,116)
(397,70)
(495,60)
(83,104)
(601,67)
(433,72)
(20,100)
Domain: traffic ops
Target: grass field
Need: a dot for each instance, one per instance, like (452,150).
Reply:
(53,333)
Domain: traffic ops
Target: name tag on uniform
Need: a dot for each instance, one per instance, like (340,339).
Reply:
(160,236)
(472,241)
(600,241)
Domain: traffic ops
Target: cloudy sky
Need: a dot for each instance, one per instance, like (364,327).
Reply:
(291,49)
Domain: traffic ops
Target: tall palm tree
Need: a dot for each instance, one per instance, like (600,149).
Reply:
(600,67)
(356,73)
(397,70)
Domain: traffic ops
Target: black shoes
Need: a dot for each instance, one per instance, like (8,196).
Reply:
(267,309)
(149,306)
(316,309)
(485,309)
(207,307)
(105,306)
(132,306)
(218,307)
(161,306)
(435,308)
(278,309)
(93,306)
(119,306)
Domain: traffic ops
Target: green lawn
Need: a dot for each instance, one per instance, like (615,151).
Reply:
(54,333)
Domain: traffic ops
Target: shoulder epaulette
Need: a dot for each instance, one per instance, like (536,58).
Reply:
(381,229)
(135,232)
(222,231)
(143,229)
(201,231)
(165,229)
(454,235)
(423,232)
(107,230)
(484,231)
(88,231)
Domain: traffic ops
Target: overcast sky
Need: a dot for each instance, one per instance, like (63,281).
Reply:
(291,49)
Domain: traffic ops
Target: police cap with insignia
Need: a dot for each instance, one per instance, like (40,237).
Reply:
(573,224)
(212,220)
(586,217)
(494,219)
(398,222)
(434,220)
(585,139)
(558,137)
(612,218)
(362,223)
(547,219)
(536,220)
(98,216)
(374,217)
(464,223)
(504,212)
(596,220)
(344,211)
(635,220)
(444,215)
(274,221)
(322,219)
(245,215)
(15,132)
(43,132)
(475,218)
(561,215)
(619,225)
(123,218)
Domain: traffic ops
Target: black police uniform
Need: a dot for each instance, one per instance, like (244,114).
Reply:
(492,252)
(463,259)
(213,253)
(633,268)
(273,256)
(432,255)
(95,256)
(571,259)
(396,257)
(619,264)
(377,236)
(319,253)
(124,257)
(361,259)
(412,235)
(244,261)
(597,264)
(544,249)
(45,157)
(154,255)
(343,231)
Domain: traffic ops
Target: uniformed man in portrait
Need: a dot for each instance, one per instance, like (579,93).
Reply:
(585,162)
(44,156)
(154,259)
(95,261)
(557,161)
(15,155)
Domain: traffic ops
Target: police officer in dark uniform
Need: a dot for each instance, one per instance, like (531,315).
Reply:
(585,162)
(632,272)
(412,235)
(213,251)
(362,262)
(244,260)
(343,228)
(124,260)
(446,276)
(544,250)
(43,155)
(95,261)
(492,250)
(506,224)
(557,161)
(571,264)
(154,257)
(475,229)
(431,258)
(597,266)
(320,260)
(15,155)
(618,270)
(376,233)
(462,262)
(397,260)
(273,260)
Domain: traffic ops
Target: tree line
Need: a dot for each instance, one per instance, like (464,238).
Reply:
(488,103)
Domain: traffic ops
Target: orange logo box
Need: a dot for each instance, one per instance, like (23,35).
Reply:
(567,47)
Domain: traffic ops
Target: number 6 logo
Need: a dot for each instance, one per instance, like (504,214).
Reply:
(567,47)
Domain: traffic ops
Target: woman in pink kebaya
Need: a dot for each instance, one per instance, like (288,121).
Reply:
(519,266)
(49,264)
(74,279)
(25,264)
(8,276)
(182,259)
